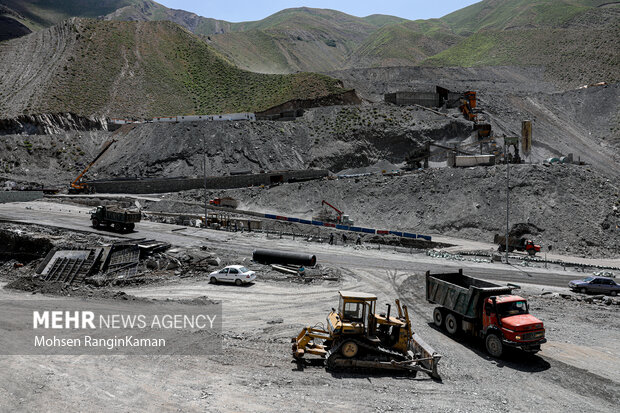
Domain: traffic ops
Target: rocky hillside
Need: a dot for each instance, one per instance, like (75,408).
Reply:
(575,209)
(136,69)
(39,14)
(335,138)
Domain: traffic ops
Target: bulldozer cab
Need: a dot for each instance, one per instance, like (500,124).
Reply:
(357,309)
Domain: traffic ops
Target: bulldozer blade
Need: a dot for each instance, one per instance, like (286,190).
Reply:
(375,365)
(428,358)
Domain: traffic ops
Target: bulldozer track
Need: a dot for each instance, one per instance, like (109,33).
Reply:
(333,355)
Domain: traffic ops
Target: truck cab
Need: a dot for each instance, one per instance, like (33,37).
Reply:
(508,317)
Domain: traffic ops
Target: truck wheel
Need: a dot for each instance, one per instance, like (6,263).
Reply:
(130,227)
(531,252)
(494,345)
(452,324)
(438,317)
(117,227)
(95,223)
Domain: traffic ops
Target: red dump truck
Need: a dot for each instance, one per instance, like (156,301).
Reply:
(514,243)
(482,309)
(225,202)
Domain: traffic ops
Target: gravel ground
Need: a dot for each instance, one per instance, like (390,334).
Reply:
(255,372)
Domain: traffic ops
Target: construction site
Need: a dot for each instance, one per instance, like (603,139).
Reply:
(374,209)
(423,241)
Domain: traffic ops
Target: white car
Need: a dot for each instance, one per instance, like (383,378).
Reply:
(237,274)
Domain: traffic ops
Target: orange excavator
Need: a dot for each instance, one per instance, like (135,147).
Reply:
(77,186)
(468,104)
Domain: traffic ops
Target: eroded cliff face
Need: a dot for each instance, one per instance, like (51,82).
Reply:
(50,123)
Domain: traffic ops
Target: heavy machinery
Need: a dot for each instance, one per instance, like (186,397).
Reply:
(118,218)
(77,186)
(358,338)
(468,105)
(341,218)
(225,202)
(514,243)
(485,310)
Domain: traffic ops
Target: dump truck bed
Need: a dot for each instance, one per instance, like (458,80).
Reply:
(512,241)
(459,293)
(121,215)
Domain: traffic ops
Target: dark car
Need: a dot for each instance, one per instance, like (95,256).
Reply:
(597,285)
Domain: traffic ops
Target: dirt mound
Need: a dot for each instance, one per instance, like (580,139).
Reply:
(522,228)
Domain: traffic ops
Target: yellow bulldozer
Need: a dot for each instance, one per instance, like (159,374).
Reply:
(358,338)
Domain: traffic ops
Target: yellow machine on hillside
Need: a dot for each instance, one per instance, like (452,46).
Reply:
(357,337)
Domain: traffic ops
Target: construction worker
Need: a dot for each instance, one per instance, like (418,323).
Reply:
(331,238)
(358,241)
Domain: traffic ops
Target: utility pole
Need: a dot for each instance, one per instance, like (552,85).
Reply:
(507,195)
(204,171)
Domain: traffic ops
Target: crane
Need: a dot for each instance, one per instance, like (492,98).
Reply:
(341,218)
(77,185)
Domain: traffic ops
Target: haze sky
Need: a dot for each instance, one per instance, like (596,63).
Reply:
(245,10)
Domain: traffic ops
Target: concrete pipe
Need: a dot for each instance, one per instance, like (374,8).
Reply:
(283,257)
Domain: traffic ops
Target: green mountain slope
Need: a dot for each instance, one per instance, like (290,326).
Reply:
(575,48)
(576,40)
(404,44)
(514,14)
(302,39)
(38,14)
(136,69)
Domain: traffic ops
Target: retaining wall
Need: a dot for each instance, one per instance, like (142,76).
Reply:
(19,196)
(160,185)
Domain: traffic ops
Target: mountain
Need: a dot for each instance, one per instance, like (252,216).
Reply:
(40,14)
(575,40)
(403,44)
(139,69)
(301,39)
